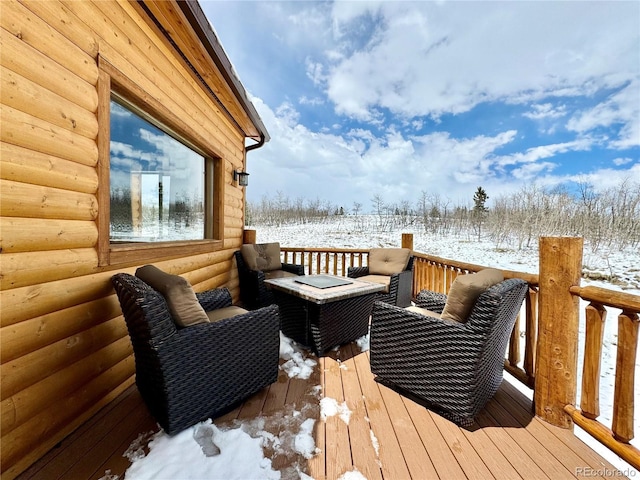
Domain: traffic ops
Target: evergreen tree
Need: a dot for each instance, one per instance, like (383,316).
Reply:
(479,200)
(479,209)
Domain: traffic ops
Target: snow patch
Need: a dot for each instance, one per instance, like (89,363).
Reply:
(296,365)
(329,407)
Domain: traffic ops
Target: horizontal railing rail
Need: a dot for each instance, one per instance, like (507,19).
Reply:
(618,437)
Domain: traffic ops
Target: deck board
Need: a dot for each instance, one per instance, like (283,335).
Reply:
(516,455)
(415,455)
(338,445)
(589,457)
(441,456)
(506,442)
(363,452)
(492,456)
(317,464)
(390,454)
(562,454)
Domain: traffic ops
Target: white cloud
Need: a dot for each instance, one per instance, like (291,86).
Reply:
(623,107)
(462,53)
(304,100)
(386,88)
(545,110)
(353,167)
(546,151)
(530,171)
(606,178)
(315,71)
(622,161)
(288,114)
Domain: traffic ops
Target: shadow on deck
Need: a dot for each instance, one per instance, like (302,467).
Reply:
(388,436)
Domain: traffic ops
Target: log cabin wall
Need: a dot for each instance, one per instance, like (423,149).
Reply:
(65,351)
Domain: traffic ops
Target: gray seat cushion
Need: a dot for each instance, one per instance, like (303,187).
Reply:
(381,279)
(225,312)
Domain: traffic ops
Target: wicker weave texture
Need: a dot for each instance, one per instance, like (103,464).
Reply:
(253,291)
(322,327)
(456,368)
(186,375)
(433,301)
(400,284)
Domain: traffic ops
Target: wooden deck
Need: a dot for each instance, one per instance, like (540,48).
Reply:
(388,436)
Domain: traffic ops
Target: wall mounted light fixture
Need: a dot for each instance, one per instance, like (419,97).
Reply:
(241,177)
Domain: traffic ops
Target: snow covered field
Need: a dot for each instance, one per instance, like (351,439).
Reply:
(362,232)
(241,457)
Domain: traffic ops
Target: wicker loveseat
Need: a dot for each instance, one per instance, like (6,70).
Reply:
(188,374)
(257,262)
(392,267)
(453,367)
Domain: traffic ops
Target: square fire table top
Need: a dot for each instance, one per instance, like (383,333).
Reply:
(344,287)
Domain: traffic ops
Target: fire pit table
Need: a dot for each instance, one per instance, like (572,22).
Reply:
(324,311)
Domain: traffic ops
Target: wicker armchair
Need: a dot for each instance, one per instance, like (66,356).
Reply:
(455,368)
(253,291)
(186,375)
(400,284)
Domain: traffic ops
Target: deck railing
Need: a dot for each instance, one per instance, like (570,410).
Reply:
(334,261)
(437,274)
(617,437)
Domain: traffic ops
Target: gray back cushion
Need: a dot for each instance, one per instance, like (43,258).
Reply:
(388,261)
(465,290)
(178,293)
(261,256)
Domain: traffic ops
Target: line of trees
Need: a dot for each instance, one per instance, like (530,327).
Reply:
(608,217)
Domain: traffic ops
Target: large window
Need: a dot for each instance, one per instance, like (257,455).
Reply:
(161,179)
(157,183)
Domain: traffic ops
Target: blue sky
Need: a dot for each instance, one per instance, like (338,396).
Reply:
(397,98)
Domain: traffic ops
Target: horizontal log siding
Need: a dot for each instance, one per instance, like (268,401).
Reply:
(28,166)
(64,347)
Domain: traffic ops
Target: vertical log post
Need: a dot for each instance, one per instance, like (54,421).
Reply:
(407,241)
(514,344)
(556,358)
(249,236)
(594,333)
(531,332)
(623,404)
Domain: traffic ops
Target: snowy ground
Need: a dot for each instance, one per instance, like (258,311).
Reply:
(192,454)
(362,232)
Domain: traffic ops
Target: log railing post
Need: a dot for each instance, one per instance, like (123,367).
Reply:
(407,241)
(249,236)
(531,332)
(623,404)
(558,316)
(594,333)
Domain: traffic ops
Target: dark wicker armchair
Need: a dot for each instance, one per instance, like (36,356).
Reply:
(400,285)
(253,291)
(455,368)
(186,375)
